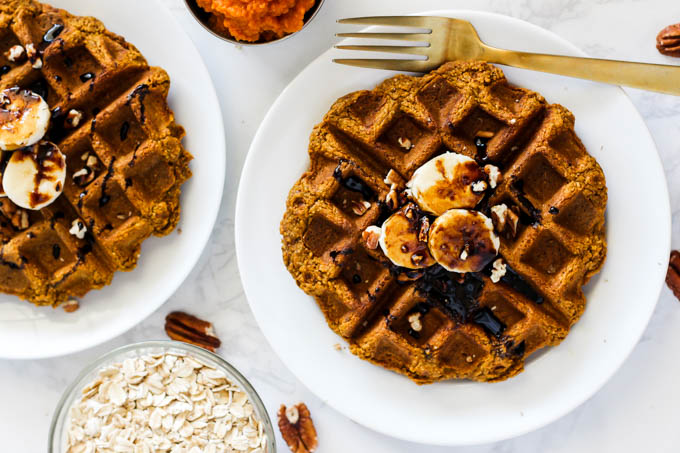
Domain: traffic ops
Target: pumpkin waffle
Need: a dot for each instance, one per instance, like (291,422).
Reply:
(124,158)
(468,326)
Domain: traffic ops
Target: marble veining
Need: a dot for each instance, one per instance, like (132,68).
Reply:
(636,411)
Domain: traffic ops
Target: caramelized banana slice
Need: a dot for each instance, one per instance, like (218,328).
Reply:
(35,176)
(448,181)
(401,239)
(463,241)
(24,118)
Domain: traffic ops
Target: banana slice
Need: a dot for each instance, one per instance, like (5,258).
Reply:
(24,118)
(448,181)
(403,239)
(463,241)
(35,176)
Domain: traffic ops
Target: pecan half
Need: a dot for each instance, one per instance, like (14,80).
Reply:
(668,41)
(184,327)
(673,274)
(297,428)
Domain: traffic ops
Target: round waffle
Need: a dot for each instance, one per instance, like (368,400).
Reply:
(124,158)
(466,325)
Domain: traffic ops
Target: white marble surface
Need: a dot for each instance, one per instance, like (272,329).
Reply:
(638,410)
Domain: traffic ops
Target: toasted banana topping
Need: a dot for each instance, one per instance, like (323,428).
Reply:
(35,176)
(24,118)
(463,241)
(400,239)
(448,181)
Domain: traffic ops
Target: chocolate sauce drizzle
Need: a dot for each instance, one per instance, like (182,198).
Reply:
(480,144)
(40,88)
(516,282)
(517,188)
(459,294)
(124,128)
(139,92)
(353,183)
(51,34)
(335,253)
(109,172)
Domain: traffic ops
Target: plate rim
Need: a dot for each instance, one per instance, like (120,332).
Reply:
(666,226)
(201,241)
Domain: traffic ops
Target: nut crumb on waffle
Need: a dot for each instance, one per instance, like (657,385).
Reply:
(87,119)
(486,219)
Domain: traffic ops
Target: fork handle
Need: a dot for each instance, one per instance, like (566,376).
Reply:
(646,76)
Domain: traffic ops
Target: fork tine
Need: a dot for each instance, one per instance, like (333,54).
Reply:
(393,36)
(397,21)
(390,64)
(413,50)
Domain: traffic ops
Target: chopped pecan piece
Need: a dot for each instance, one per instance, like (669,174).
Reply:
(297,428)
(371,236)
(17,216)
(668,41)
(184,327)
(424,229)
(405,143)
(393,180)
(392,199)
(70,306)
(505,220)
(359,207)
(673,274)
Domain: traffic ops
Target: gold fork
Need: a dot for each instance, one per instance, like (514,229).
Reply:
(455,39)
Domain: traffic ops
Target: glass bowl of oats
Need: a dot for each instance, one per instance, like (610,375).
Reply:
(161,396)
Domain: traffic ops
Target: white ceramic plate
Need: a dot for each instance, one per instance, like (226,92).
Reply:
(30,332)
(620,299)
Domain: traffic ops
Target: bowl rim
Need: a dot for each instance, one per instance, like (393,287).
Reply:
(192,6)
(72,391)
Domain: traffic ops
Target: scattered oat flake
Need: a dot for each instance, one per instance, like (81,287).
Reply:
(163,403)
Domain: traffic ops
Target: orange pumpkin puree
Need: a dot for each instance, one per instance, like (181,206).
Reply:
(253,20)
